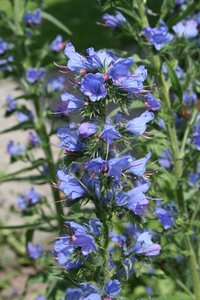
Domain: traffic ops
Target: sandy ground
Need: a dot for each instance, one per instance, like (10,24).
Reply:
(8,199)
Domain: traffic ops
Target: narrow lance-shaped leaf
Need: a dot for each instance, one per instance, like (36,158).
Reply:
(56,22)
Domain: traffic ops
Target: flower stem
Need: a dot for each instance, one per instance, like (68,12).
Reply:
(42,132)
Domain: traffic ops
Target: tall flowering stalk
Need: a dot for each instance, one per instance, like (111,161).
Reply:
(100,170)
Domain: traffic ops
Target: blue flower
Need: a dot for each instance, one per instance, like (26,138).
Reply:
(33,18)
(57,44)
(15,150)
(70,186)
(76,61)
(186,28)
(122,199)
(33,75)
(22,203)
(116,165)
(96,165)
(120,69)
(137,126)
(193,178)
(56,84)
(73,103)
(114,21)
(33,196)
(180,2)
(158,36)
(145,246)
(11,104)
(138,167)
(133,84)
(34,251)
(73,294)
(25,116)
(152,103)
(92,85)
(190,98)
(3,46)
(87,129)
(70,250)
(137,199)
(69,140)
(95,227)
(165,217)
(109,134)
(196,134)
(33,140)
(85,242)
(40,297)
(6,64)
(101,58)
(165,159)
(112,288)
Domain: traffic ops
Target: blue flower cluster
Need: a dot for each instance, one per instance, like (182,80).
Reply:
(31,198)
(33,18)
(158,36)
(5,61)
(89,291)
(113,182)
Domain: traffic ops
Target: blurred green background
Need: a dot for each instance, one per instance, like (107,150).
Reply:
(80,16)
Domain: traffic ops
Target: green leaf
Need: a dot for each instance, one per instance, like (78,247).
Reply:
(11,176)
(174,80)
(37,179)
(56,22)
(167,5)
(24,126)
(129,13)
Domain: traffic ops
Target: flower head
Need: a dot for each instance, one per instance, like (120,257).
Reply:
(145,246)
(186,28)
(87,129)
(33,75)
(114,21)
(158,36)
(25,116)
(70,186)
(96,165)
(137,126)
(57,44)
(112,288)
(120,70)
(152,103)
(165,217)
(11,104)
(3,46)
(109,134)
(34,251)
(33,18)
(92,85)
(69,140)
(15,150)
(56,84)
(138,167)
